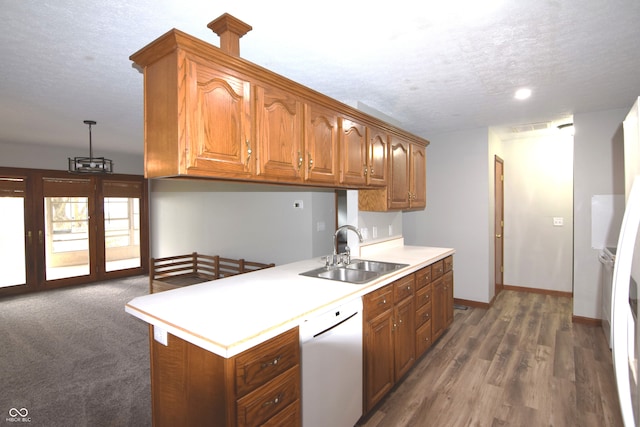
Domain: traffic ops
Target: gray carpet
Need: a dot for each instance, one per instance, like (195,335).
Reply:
(73,357)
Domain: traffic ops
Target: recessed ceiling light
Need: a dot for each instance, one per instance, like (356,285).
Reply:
(523,93)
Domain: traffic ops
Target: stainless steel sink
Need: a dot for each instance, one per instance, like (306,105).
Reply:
(377,266)
(348,275)
(358,272)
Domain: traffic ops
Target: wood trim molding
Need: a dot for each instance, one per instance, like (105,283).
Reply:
(474,304)
(539,291)
(586,321)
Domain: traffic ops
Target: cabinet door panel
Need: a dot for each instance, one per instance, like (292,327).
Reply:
(353,153)
(279,125)
(321,145)
(399,187)
(405,329)
(438,309)
(377,157)
(447,280)
(218,127)
(418,176)
(379,366)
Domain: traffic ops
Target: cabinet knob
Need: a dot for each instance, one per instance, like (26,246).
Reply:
(271,363)
(275,401)
(383,302)
(300,160)
(310,161)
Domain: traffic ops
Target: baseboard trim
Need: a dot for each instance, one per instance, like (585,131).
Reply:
(586,321)
(469,303)
(539,291)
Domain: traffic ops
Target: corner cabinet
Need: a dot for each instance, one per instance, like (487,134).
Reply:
(211,114)
(407,188)
(191,386)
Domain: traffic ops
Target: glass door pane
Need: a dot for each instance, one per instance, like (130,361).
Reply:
(66,237)
(121,233)
(13,263)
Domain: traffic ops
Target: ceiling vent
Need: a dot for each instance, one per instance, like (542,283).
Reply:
(531,127)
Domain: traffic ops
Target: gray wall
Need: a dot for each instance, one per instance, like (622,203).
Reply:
(55,158)
(255,222)
(598,170)
(457,212)
(538,187)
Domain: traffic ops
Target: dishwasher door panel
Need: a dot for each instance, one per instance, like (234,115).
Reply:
(332,369)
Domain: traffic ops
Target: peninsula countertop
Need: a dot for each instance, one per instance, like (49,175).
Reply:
(230,315)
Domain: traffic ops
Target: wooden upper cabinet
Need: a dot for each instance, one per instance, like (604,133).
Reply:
(212,114)
(321,145)
(279,134)
(377,148)
(353,149)
(406,188)
(218,124)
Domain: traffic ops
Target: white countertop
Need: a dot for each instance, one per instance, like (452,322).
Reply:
(230,315)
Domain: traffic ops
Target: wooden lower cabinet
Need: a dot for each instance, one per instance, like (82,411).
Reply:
(389,338)
(192,386)
(442,285)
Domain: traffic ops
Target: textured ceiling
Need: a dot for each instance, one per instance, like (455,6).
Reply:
(430,66)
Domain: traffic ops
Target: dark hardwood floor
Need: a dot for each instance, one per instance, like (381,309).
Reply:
(520,363)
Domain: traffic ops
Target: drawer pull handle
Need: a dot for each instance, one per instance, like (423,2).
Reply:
(426,316)
(408,288)
(275,401)
(272,363)
(248,151)
(383,302)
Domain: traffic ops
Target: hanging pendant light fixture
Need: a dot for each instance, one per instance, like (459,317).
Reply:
(94,165)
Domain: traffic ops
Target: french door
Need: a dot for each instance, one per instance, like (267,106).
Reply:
(59,229)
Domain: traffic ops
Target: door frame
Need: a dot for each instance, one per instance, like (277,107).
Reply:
(498,236)
(34,223)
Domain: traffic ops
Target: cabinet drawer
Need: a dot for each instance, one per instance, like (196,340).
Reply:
(423,277)
(423,296)
(266,401)
(437,269)
(423,339)
(423,315)
(448,263)
(266,361)
(378,301)
(403,288)
(288,417)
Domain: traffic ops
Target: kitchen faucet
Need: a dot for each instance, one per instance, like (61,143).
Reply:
(347,251)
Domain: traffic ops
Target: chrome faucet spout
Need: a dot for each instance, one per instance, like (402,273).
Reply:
(344,227)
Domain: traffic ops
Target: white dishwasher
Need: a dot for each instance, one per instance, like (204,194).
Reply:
(331,346)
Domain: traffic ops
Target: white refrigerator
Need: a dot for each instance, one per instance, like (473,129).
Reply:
(626,276)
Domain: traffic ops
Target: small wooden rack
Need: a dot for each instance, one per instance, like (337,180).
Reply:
(184,270)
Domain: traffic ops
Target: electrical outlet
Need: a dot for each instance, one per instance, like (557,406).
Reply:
(558,221)
(390,230)
(160,335)
(365,233)
(374,231)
